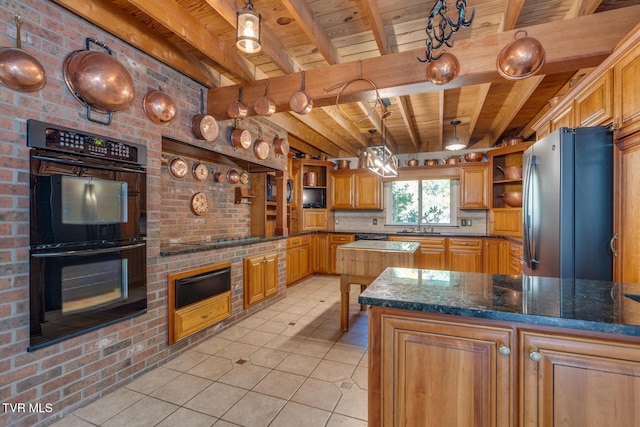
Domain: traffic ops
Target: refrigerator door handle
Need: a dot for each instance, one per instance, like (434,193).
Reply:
(612,244)
(528,235)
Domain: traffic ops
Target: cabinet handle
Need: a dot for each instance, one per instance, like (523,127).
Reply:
(612,244)
(535,356)
(204,316)
(504,350)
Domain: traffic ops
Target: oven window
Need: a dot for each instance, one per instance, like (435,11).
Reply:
(89,200)
(92,285)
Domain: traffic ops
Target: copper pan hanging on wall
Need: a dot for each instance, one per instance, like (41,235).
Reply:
(18,69)
(299,101)
(240,138)
(203,125)
(264,106)
(280,146)
(237,110)
(159,107)
(98,80)
(261,147)
(521,58)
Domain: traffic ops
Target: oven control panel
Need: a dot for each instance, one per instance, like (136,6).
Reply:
(59,138)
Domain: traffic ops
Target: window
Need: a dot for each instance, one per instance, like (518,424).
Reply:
(432,200)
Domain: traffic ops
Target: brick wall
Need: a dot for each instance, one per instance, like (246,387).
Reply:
(72,373)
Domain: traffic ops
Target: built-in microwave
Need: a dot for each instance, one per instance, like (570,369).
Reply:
(272,190)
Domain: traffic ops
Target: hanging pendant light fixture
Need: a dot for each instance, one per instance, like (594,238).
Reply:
(248,29)
(380,159)
(454,143)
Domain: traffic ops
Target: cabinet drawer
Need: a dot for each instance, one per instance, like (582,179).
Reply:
(202,314)
(515,250)
(341,238)
(465,243)
(297,241)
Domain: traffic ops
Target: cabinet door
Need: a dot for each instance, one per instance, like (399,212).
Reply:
(627,263)
(494,258)
(270,271)
(563,119)
(465,255)
(336,240)
(433,254)
(627,93)
(575,381)
(253,280)
(303,260)
(474,187)
(435,373)
(368,191)
(292,265)
(506,222)
(342,190)
(594,107)
(314,219)
(319,253)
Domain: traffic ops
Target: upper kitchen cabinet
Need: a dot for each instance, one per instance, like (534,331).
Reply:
(594,107)
(506,190)
(311,187)
(355,189)
(627,91)
(474,186)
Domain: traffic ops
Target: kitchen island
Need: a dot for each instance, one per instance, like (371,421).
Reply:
(360,262)
(450,348)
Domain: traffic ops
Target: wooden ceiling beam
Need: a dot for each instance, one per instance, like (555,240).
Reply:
(372,11)
(399,73)
(582,7)
(404,104)
(483,92)
(513,8)
(304,132)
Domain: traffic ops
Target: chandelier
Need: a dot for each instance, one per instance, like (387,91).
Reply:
(379,158)
(454,143)
(440,28)
(248,29)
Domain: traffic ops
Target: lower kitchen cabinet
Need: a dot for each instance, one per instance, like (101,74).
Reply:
(428,372)
(578,381)
(494,256)
(336,240)
(465,255)
(260,278)
(433,250)
(319,253)
(515,258)
(298,258)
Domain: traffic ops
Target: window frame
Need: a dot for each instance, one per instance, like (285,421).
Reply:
(454,197)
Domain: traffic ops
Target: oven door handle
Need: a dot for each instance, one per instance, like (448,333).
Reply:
(87,252)
(86,164)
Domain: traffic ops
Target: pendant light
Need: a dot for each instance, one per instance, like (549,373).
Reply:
(454,143)
(380,159)
(248,29)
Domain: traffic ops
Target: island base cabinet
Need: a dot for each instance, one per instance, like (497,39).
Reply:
(432,373)
(575,381)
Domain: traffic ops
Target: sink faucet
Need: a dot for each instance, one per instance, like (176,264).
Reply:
(429,225)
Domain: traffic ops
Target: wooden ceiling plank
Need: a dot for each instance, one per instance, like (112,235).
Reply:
(113,20)
(483,91)
(173,16)
(513,8)
(304,16)
(404,104)
(372,11)
(582,7)
(398,74)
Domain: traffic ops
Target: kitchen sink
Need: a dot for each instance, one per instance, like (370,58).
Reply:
(420,233)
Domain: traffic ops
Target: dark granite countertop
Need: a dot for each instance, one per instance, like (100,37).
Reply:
(178,248)
(569,303)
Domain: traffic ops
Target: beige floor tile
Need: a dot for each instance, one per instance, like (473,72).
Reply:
(245,376)
(318,393)
(284,343)
(181,389)
(258,338)
(72,421)
(272,326)
(216,399)
(328,370)
(345,354)
(251,322)
(186,361)
(298,331)
(307,320)
(361,377)
(299,364)
(186,417)
(310,347)
(286,317)
(143,413)
(223,423)
(268,357)
(212,368)
(296,415)
(320,313)
(353,339)
(337,420)
(108,406)
(233,333)
(328,335)
(280,384)
(353,403)
(213,345)
(254,409)
(365,359)
(153,380)
(237,350)
(265,313)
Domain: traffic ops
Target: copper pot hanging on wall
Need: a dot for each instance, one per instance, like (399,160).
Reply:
(203,125)
(159,107)
(98,80)
(20,70)
(521,58)
(300,102)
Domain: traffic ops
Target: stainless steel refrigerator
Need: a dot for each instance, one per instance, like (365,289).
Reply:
(568,204)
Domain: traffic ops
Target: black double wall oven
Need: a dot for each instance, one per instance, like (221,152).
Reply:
(87,232)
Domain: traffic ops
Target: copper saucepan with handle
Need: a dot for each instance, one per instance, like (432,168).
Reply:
(238,110)
(18,69)
(203,125)
(264,106)
(300,102)
(240,138)
(280,146)
(261,147)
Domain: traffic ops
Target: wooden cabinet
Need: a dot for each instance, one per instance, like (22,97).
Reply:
(268,218)
(199,315)
(311,188)
(474,186)
(465,255)
(563,119)
(260,278)
(319,253)
(425,371)
(433,250)
(336,240)
(353,189)
(594,107)
(627,93)
(578,381)
(515,258)
(494,256)
(315,219)
(505,220)
(298,258)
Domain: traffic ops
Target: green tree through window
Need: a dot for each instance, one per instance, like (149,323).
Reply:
(428,200)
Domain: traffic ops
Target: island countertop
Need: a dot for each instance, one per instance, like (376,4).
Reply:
(569,303)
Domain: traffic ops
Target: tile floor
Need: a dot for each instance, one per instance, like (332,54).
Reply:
(287,365)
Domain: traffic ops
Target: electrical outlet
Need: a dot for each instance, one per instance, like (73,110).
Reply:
(375,221)
(337,221)
(468,223)
(463,222)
